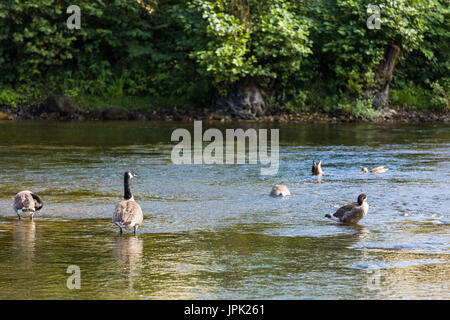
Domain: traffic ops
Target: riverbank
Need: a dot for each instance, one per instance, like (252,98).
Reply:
(62,108)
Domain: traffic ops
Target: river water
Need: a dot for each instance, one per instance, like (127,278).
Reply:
(212,231)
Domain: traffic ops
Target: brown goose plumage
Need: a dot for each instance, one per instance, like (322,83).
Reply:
(128,213)
(27,204)
(353,212)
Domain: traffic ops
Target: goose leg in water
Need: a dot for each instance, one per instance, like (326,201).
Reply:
(135,229)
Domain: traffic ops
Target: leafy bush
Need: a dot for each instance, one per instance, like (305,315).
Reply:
(316,54)
(122,48)
(9,97)
(440,99)
(267,44)
(411,97)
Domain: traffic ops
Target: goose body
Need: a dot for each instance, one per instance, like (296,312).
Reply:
(381,169)
(27,204)
(280,191)
(353,212)
(317,168)
(128,213)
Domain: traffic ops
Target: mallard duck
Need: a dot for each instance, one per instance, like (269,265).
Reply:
(280,191)
(381,169)
(317,167)
(27,204)
(128,213)
(353,212)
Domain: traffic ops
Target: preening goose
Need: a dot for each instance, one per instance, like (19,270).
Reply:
(353,212)
(280,191)
(27,204)
(128,213)
(317,167)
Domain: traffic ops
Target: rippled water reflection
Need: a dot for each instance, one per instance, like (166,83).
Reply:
(211,232)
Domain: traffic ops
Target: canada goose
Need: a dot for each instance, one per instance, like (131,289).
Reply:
(128,213)
(317,167)
(353,212)
(27,204)
(280,191)
(381,169)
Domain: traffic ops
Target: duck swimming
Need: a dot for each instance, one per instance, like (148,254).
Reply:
(381,169)
(353,212)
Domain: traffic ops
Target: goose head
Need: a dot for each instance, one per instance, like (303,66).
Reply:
(362,198)
(130,174)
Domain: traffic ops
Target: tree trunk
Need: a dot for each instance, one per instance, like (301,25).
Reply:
(383,76)
(244,101)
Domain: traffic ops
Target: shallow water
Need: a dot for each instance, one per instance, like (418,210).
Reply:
(211,231)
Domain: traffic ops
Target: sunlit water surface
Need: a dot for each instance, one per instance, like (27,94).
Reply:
(212,231)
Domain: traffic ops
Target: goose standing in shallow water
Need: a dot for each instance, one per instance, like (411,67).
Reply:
(353,212)
(280,191)
(128,213)
(27,204)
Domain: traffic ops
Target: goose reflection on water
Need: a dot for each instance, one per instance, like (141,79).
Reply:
(361,232)
(128,251)
(24,239)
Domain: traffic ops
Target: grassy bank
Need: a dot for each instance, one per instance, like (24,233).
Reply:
(407,105)
(411,97)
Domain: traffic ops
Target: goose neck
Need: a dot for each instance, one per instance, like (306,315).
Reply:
(127,190)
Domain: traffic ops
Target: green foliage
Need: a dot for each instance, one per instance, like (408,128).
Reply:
(121,49)
(440,99)
(426,69)
(225,57)
(363,109)
(411,97)
(350,52)
(416,97)
(9,97)
(315,54)
(114,101)
(266,43)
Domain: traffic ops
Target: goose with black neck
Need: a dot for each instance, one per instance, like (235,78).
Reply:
(128,213)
